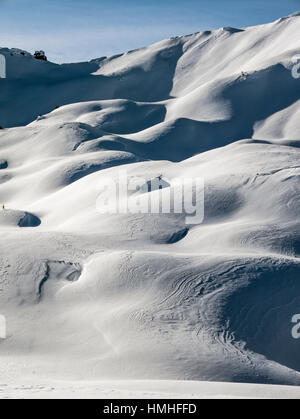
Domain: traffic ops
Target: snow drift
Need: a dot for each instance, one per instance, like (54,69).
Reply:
(139,296)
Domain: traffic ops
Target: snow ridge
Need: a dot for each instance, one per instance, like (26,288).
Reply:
(139,296)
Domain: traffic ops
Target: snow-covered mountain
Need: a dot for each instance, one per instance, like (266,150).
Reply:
(145,296)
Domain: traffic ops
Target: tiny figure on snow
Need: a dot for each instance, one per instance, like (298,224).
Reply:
(243,75)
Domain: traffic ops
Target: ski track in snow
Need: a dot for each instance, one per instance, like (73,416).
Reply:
(147,297)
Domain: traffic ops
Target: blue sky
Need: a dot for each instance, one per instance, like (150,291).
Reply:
(77,30)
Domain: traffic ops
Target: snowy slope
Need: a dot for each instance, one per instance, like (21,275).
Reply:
(148,389)
(137,296)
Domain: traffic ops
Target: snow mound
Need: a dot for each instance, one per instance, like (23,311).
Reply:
(18,219)
(3,164)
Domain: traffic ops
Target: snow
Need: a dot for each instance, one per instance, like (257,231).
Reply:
(149,389)
(91,297)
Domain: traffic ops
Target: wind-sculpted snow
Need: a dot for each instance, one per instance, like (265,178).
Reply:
(10,218)
(150,296)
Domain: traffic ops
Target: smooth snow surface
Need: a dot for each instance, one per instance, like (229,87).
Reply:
(145,390)
(146,297)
